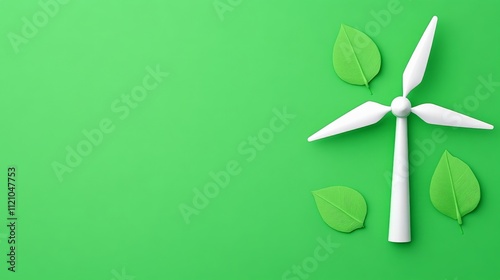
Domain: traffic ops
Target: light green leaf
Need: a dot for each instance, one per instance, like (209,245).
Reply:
(454,188)
(356,58)
(342,208)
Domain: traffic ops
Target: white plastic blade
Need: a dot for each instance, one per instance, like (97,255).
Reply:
(365,114)
(434,114)
(414,71)
(399,221)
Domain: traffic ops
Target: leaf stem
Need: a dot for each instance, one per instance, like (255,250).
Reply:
(368,87)
(461,229)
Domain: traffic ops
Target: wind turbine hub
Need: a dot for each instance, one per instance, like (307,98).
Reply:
(401,107)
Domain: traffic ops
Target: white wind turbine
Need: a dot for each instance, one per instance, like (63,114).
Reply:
(371,112)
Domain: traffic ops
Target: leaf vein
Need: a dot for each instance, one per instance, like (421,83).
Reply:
(342,210)
(356,57)
(459,216)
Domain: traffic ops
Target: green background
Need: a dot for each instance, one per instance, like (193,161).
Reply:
(116,215)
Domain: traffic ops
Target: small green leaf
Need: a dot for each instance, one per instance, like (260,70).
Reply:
(454,189)
(356,58)
(342,208)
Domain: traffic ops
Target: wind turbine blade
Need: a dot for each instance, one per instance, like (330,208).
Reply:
(365,114)
(434,114)
(414,71)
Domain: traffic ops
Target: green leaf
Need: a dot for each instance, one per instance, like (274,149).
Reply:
(342,208)
(356,58)
(454,188)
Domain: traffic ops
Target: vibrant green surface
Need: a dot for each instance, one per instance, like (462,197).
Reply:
(356,58)
(454,188)
(342,208)
(231,76)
